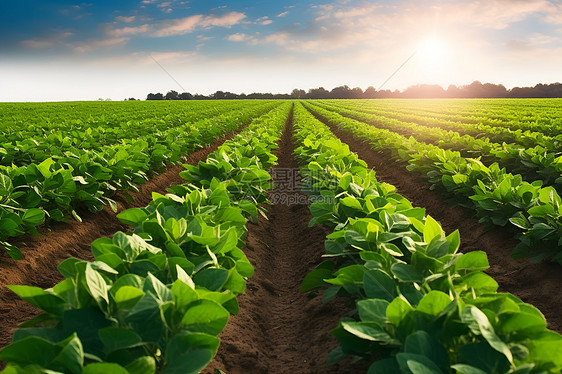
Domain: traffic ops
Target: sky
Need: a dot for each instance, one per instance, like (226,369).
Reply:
(70,50)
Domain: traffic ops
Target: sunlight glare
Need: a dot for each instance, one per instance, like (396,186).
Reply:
(432,58)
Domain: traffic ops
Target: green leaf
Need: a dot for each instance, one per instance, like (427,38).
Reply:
(213,278)
(433,303)
(127,296)
(96,285)
(480,325)
(30,350)
(432,229)
(477,260)
(480,281)
(520,322)
(205,316)
(406,273)
(13,251)
(104,368)
(416,364)
(387,365)
(467,369)
(421,343)
(42,299)
(142,365)
(520,222)
(45,166)
(315,278)
(33,217)
(132,217)
(115,338)
(189,353)
(373,310)
(366,331)
(71,356)
(6,185)
(351,202)
(397,310)
(379,285)
(482,356)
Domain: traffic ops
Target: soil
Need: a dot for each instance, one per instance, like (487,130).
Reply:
(279,329)
(535,283)
(62,240)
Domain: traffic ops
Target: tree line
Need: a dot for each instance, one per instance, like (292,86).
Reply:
(474,90)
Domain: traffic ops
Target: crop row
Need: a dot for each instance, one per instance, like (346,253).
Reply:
(542,115)
(497,134)
(534,212)
(532,163)
(421,307)
(75,178)
(155,299)
(34,136)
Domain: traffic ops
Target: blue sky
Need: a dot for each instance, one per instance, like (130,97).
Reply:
(68,50)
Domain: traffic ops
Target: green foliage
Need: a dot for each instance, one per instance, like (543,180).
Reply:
(422,307)
(58,167)
(154,300)
(500,198)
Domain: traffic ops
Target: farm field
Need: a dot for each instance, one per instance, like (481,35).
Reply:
(272,236)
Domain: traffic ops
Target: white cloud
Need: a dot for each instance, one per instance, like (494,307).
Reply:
(125,19)
(555,14)
(90,45)
(264,21)
(283,14)
(129,30)
(189,24)
(178,26)
(45,42)
(239,37)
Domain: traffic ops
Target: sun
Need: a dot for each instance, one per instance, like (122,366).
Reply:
(432,59)
(432,50)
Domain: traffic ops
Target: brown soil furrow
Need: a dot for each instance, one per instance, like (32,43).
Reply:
(534,283)
(279,329)
(72,239)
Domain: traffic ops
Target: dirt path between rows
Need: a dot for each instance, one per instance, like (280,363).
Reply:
(72,239)
(534,283)
(279,329)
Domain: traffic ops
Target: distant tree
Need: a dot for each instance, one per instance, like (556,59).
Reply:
(185,96)
(493,90)
(384,94)
(370,93)
(172,95)
(356,93)
(298,94)
(341,92)
(424,91)
(157,96)
(318,93)
(453,91)
(219,95)
(200,97)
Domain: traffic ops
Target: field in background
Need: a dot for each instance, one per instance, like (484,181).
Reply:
(420,296)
